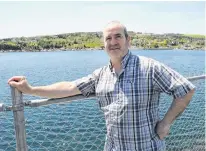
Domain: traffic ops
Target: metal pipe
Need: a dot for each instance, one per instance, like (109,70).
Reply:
(41,102)
(196,78)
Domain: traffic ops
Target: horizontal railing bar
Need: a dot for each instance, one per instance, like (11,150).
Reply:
(41,102)
(196,77)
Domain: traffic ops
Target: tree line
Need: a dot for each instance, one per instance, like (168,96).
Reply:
(94,40)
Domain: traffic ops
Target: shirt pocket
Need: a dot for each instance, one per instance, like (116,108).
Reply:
(127,87)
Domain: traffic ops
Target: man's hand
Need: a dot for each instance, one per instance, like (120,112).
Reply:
(20,83)
(162,129)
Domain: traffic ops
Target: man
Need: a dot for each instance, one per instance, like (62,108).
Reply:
(128,91)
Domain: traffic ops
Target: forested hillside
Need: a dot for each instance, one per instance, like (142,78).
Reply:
(94,40)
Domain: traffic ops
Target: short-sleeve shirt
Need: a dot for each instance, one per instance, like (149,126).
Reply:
(130,100)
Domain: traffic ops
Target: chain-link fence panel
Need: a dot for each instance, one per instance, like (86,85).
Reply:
(76,126)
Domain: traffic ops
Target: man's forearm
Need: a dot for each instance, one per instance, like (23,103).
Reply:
(57,90)
(177,107)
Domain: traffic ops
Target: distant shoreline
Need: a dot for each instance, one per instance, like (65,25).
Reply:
(97,49)
(94,41)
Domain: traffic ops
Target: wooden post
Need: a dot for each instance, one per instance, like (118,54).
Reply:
(19,121)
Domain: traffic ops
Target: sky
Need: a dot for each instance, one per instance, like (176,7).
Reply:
(28,18)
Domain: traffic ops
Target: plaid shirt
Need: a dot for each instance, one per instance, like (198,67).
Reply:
(130,100)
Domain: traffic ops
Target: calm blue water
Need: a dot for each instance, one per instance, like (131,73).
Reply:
(80,125)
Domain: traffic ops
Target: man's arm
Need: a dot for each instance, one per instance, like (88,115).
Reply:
(56,90)
(177,107)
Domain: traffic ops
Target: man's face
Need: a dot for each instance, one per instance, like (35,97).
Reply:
(115,41)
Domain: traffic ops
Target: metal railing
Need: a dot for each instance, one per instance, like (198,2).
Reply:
(19,119)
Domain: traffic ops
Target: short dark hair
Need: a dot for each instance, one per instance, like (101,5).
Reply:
(125,32)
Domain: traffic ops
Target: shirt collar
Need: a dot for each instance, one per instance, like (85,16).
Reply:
(123,62)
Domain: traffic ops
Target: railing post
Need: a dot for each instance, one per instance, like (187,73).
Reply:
(19,121)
